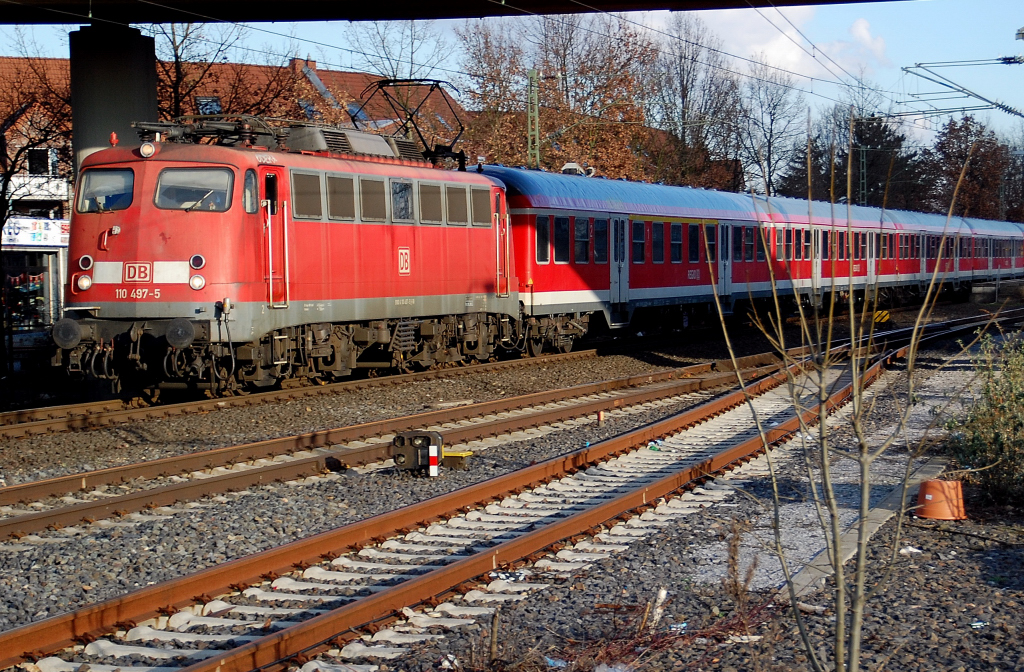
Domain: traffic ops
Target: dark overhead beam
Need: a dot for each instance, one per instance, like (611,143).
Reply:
(167,11)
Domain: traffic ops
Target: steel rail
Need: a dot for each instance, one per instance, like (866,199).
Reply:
(37,639)
(93,415)
(335,460)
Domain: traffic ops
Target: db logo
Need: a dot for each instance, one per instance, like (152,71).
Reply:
(404,261)
(138,272)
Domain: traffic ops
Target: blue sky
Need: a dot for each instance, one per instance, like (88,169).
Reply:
(873,39)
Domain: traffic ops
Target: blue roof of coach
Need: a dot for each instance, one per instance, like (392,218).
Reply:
(573,192)
(556,191)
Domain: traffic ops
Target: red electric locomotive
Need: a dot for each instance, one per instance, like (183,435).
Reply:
(229,265)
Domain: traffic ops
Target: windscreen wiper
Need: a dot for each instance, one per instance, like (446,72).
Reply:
(197,203)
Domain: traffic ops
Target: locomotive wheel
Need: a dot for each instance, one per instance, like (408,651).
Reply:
(566,347)
(535,346)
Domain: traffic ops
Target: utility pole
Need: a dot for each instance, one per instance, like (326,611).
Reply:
(533,119)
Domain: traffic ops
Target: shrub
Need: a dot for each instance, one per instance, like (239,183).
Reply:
(990,442)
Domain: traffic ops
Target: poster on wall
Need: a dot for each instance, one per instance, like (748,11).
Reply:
(28,232)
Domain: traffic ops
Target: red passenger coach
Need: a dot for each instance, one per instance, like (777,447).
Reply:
(590,245)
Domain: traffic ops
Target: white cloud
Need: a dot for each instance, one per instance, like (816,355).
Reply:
(861,31)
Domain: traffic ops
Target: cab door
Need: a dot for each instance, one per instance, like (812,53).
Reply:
(274,211)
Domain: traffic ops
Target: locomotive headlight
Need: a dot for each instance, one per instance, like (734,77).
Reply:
(84,282)
(197,282)
(197,261)
(85,263)
(147,150)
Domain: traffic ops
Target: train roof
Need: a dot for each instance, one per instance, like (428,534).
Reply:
(539,189)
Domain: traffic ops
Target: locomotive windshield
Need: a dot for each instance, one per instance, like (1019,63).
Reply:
(207,189)
(104,189)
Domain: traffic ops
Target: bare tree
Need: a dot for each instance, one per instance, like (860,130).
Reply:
(399,49)
(494,87)
(207,68)
(771,123)
(32,116)
(697,99)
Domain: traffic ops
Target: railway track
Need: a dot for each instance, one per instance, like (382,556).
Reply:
(441,545)
(328,591)
(196,475)
(92,415)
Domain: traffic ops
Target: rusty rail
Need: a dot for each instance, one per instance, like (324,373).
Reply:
(334,460)
(34,640)
(271,651)
(93,415)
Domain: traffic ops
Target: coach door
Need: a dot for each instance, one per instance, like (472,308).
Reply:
(724,266)
(503,254)
(274,210)
(620,262)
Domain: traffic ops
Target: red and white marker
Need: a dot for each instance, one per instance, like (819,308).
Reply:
(432,451)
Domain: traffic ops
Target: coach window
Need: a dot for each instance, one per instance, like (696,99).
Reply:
(341,197)
(658,242)
(826,244)
(711,239)
(431,211)
(401,201)
(458,211)
(600,241)
(306,196)
(748,243)
(780,244)
(250,198)
(759,235)
(737,243)
(562,240)
(372,200)
(482,213)
(892,245)
(543,232)
(693,243)
(807,244)
(638,242)
(206,189)
(581,240)
(675,242)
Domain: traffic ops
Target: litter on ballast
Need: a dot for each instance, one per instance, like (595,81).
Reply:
(810,608)
(450,662)
(744,639)
(978,625)
(910,550)
(678,627)
(555,663)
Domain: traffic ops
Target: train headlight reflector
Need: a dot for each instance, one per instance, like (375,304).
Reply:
(197,282)
(147,150)
(197,261)
(84,282)
(85,263)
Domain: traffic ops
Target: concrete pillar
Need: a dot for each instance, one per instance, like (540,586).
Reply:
(113,83)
